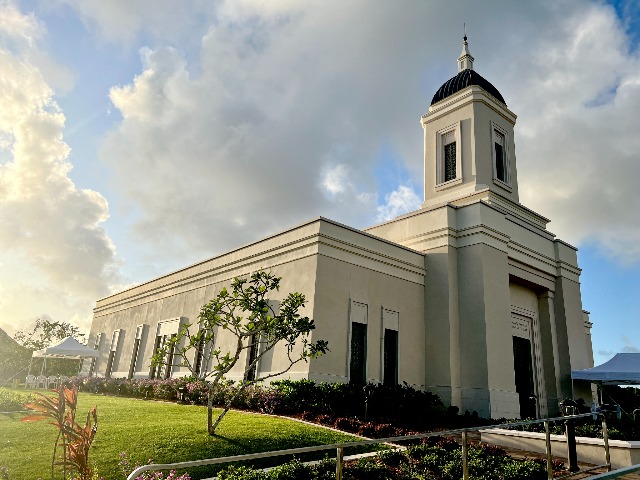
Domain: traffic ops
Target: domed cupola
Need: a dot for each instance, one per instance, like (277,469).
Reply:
(466,77)
(469,151)
(462,80)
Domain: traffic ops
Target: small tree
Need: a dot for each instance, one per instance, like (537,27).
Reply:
(45,332)
(247,315)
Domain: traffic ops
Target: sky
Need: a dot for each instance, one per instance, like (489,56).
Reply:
(140,137)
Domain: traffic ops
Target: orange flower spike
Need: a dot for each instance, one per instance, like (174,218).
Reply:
(71,396)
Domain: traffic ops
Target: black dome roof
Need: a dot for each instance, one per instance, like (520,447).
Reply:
(462,80)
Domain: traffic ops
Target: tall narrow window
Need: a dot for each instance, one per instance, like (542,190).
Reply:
(358,362)
(250,375)
(500,156)
(136,351)
(115,340)
(165,332)
(156,369)
(390,357)
(134,357)
(390,325)
(199,356)
(96,346)
(449,156)
(169,357)
(358,317)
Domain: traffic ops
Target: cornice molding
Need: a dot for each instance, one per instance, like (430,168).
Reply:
(467,96)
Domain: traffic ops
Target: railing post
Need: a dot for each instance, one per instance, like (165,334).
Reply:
(572,454)
(605,438)
(547,434)
(339,457)
(465,456)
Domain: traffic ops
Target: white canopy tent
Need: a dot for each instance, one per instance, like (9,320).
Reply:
(66,348)
(622,369)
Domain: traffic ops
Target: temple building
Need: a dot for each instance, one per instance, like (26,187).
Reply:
(470,297)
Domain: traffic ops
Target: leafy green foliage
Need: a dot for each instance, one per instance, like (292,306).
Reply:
(402,404)
(12,401)
(439,459)
(45,332)
(247,315)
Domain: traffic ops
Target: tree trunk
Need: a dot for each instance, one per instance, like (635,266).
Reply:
(210,428)
(243,385)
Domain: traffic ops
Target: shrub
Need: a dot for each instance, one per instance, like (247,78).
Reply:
(365,468)
(393,458)
(271,402)
(11,401)
(347,424)
(325,419)
(241,473)
(421,462)
(308,416)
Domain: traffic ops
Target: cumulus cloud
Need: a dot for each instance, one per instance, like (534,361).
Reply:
(250,116)
(400,201)
(577,147)
(50,230)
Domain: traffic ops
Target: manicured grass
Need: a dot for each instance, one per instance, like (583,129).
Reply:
(164,432)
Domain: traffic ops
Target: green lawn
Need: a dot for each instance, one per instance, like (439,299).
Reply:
(164,432)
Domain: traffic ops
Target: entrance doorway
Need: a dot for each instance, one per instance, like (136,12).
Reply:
(523,368)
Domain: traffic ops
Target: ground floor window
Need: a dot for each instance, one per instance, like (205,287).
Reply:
(390,357)
(250,374)
(164,369)
(96,346)
(197,368)
(115,343)
(358,362)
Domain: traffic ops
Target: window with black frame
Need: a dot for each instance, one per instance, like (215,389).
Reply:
(390,374)
(501,161)
(358,362)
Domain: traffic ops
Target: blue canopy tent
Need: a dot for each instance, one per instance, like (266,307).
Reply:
(622,369)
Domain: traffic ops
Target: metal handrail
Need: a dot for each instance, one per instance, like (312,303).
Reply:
(339,446)
(616,473)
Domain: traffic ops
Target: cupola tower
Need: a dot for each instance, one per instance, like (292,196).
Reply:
(468,139)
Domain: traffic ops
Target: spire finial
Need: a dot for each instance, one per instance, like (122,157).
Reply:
(465,60)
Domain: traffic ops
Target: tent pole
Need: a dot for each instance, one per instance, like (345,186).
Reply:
(30,362)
